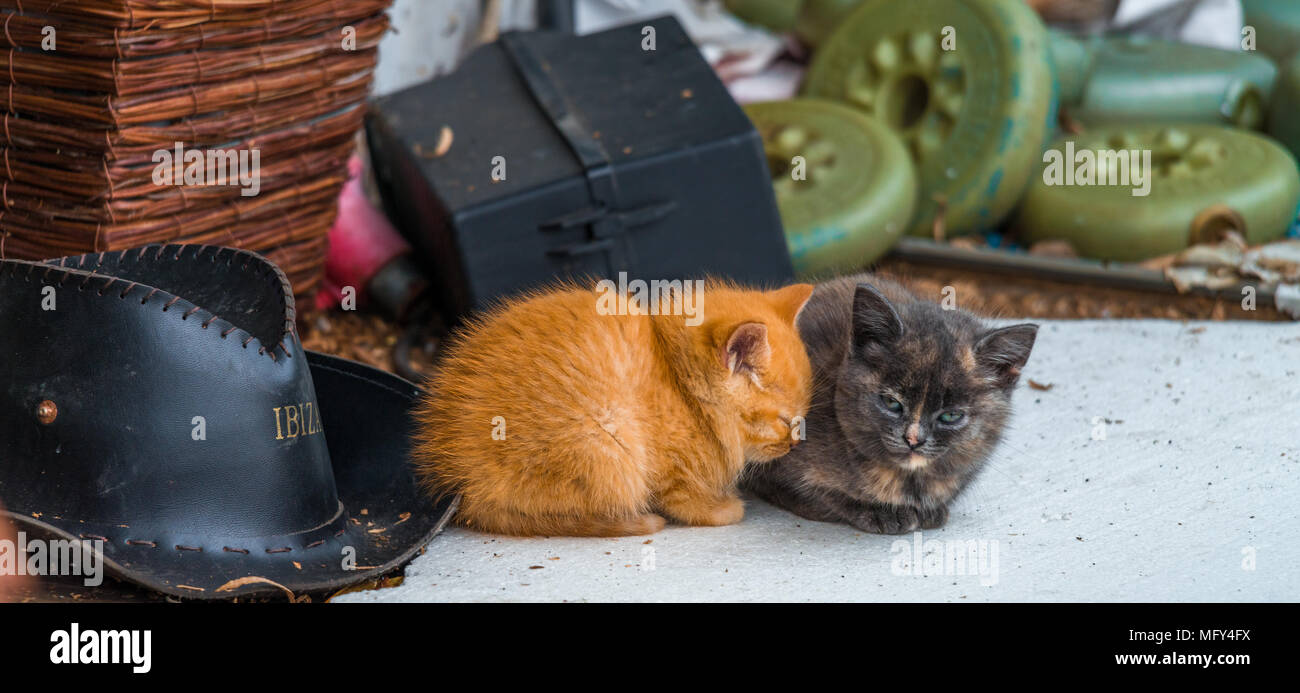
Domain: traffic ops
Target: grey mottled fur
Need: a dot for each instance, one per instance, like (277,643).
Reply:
(868,337)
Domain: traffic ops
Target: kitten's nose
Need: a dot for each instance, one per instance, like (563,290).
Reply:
(915,437)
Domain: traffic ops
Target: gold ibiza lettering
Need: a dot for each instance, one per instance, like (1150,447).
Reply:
(301,419)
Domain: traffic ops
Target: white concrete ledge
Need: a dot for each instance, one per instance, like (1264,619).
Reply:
(1198,471)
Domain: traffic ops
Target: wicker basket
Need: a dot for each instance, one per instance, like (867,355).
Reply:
(84,125)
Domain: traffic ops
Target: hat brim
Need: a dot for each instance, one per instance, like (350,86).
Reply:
(366,416)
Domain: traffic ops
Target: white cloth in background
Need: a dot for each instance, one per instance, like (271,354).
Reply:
(431,38)
(744,56)
(1216,23)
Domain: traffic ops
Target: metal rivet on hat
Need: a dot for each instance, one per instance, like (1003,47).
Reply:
(46,411)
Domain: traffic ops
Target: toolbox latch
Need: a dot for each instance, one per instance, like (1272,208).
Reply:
(607,224)
(605,218)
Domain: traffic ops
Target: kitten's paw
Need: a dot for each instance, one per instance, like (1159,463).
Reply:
(887,519)
(648,523)
(728,512)
(713,513)
(934,518)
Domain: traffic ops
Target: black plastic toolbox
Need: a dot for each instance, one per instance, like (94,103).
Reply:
(616,159)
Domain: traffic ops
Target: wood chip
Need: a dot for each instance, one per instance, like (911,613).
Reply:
(1053,248)
(445,138)
(257,579)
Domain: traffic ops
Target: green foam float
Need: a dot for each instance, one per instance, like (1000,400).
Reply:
(967,85)
(1203,179)
(850,198)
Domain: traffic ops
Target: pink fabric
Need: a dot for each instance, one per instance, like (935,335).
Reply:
(360,243)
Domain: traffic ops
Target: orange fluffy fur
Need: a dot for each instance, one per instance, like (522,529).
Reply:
(612,422)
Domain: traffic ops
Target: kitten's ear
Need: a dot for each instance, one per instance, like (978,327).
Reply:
(790,300)
(1005,351)
(747,348)
(874,317)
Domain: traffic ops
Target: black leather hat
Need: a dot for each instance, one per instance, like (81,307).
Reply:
(158,399)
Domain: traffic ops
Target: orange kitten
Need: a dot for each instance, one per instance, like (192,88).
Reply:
(552,417)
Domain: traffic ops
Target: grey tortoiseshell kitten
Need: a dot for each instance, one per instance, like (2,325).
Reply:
(909,401)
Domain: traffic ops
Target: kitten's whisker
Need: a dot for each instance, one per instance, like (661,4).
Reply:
(1024,454)
(994,467)
(1014,447)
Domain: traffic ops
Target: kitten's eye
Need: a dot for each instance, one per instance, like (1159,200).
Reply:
(891,404)
(951,417)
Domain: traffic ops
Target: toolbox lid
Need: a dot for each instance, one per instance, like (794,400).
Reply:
(552,104)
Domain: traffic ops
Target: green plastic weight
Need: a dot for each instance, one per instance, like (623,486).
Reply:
(1072,59)
(967,84)
(811,20)
(1284,111)
(1276,26)
(820,18)
(1140,79)
(844,184)
(1202,180)
(776,15)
